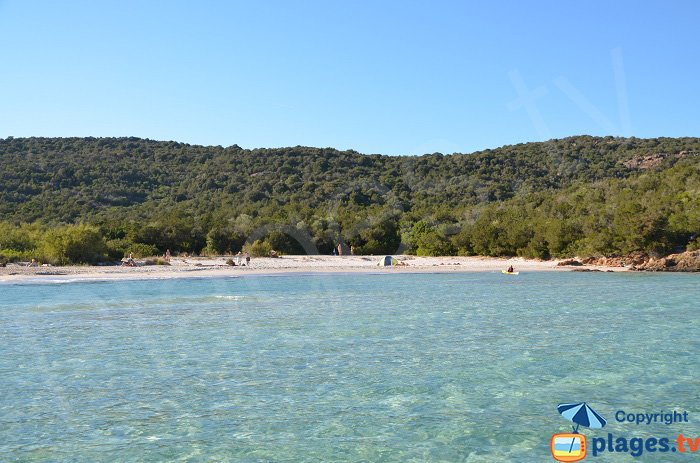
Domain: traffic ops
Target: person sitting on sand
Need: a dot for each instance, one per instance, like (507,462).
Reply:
(129,261)
(33,263)
(510,269)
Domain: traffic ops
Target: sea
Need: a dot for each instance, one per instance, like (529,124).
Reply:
(384,367)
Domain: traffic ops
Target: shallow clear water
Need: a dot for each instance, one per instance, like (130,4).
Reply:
(385,367)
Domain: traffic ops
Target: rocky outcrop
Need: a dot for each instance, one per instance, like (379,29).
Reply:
(570,262)
(655,159)
(645,162)
(634,259)
(684,262)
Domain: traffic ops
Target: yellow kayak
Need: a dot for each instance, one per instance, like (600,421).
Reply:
(509,273)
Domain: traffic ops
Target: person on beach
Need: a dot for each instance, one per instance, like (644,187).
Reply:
(352,250)
(340,250)
(247,259)
(129,261)
(33,263)
(238,258)
(166,256)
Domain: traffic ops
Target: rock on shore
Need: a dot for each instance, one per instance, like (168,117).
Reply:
(684,262)
(632,260)
(688,261)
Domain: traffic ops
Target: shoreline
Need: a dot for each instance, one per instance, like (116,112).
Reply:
(213,267)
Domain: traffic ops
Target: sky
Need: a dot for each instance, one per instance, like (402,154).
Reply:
(390,77)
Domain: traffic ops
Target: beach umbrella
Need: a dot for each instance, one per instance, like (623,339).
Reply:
(582,415)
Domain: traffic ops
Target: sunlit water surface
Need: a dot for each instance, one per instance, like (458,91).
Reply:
(360,368)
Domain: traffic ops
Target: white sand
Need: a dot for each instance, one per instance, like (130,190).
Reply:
(216,267)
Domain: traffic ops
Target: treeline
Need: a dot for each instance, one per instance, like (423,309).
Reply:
(88,200)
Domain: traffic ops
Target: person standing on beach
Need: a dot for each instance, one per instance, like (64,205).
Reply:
(340,250)
(238,258)
(247,259)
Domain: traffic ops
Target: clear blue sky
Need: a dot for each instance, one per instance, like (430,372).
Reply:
(393,77)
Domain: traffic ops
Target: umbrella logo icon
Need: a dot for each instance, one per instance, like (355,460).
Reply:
(570,447)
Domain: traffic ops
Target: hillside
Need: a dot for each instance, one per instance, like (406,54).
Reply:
(580,195)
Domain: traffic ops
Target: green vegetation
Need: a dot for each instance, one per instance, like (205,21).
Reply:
(258,248)
(84,200)
(81,244)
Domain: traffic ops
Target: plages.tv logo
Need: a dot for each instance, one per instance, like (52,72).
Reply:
(572,446)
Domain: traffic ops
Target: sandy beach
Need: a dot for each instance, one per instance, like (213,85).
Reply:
(217,267)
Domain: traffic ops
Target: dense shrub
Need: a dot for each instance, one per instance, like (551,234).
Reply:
(258,248)
(12,255)
(73,244)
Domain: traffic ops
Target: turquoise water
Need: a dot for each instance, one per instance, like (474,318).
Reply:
(357,368)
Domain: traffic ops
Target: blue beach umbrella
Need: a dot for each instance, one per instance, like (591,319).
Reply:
(582,415)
